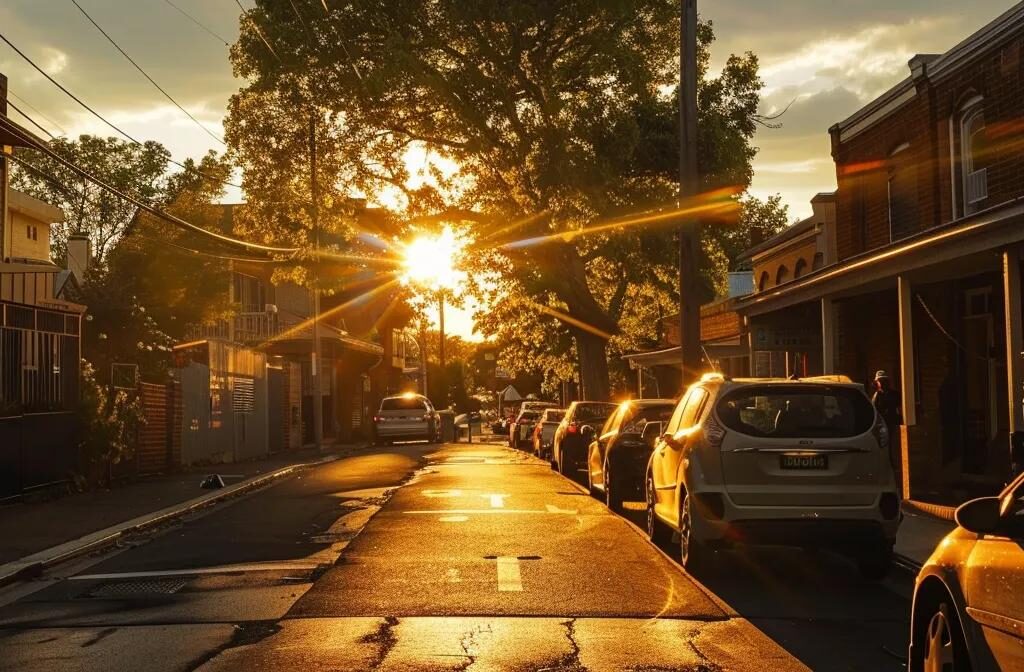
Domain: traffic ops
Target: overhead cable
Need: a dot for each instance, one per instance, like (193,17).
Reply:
(147,76)
(37,144)
(98,115)
(198,23)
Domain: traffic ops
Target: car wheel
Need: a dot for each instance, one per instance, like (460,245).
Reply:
(942,642)
(692,551)
(612,494)
(656,530)
(875,564)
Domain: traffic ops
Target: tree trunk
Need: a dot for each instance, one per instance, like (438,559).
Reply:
(590,349)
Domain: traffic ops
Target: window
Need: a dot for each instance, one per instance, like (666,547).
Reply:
(793,411)
(694,405)
(636,424)
(403,404)
(249,292)
(973,148)
(902,194)
(799,268)
(781,275)
(32,232)
(677,415)
(762,284)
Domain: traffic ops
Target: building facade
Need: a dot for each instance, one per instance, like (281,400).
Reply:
(926,285)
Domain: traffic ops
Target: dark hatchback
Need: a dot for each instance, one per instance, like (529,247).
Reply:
(569,447)
(620,449)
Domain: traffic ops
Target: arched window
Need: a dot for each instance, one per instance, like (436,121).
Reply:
(799,268)
(762,283)
(781,275)
(973,147)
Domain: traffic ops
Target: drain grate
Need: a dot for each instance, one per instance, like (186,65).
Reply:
(138,588)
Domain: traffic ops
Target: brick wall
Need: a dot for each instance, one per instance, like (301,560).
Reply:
(788,258)
(865,162)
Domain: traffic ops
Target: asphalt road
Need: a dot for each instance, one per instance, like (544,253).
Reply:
(441,558)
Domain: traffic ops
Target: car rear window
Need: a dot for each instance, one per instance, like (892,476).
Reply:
(553,416)
(529,415)
(591,412)
(402,404)
(645,415)
(796,412)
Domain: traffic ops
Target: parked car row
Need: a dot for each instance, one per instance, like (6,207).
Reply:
(804,463)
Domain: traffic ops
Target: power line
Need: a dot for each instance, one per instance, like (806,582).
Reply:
(37,144)
(259,33)
(198,23)
(30,119)
(146,74)
(81,194)
(100,116)
(36,110)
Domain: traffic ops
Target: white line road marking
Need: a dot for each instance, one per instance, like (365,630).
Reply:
(442,493)
(497,501)
(509,579)
(453,519)
(554,509)
(473,512)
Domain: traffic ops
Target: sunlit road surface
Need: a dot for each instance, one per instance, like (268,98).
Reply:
(440,558)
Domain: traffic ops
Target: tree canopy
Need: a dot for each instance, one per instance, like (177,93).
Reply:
(559,117)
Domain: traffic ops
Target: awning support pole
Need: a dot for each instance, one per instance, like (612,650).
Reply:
(1014,348)
(828,337)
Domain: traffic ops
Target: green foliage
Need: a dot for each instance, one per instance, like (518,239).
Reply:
(133,169)
(557,116)
(110,422)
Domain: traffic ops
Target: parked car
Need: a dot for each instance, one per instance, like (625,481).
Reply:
(790,462)
(968,609)
(569,447)
(405,417)
(617,457)
(521,429)
(544,431)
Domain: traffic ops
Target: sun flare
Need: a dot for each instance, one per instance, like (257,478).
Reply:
(431,261)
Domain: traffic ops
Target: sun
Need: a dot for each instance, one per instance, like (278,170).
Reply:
(431,261)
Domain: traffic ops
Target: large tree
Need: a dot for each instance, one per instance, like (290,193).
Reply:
(138,170)
(558,116)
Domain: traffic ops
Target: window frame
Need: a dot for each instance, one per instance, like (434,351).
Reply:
(963,168)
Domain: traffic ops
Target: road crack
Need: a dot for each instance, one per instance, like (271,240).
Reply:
(385,639)
(570,662)
(250,632)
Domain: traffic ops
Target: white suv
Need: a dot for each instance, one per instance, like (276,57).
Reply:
(774,461)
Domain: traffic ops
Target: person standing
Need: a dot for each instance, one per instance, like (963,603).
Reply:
(886,401)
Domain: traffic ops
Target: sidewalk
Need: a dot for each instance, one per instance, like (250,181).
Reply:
(28,528)
(919,534)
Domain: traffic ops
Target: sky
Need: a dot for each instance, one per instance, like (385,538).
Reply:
(823,59)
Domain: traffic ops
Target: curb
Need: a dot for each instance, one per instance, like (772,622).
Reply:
(33,565)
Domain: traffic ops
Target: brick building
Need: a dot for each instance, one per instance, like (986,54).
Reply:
(926,283)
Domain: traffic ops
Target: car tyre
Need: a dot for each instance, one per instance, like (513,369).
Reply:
(942,647)
(656,530)
(612,493)
(874,564)
(692,551)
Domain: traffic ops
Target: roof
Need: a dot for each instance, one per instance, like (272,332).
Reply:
(33,207)
(779,239)
(932,67)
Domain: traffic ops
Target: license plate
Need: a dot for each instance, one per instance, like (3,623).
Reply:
(809,462)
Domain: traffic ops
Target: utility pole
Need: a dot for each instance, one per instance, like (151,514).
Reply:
(689,230)
(317,358)
(443,374)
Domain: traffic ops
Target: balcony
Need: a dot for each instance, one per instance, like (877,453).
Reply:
(248,328)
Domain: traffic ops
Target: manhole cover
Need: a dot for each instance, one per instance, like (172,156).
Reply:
(138,588)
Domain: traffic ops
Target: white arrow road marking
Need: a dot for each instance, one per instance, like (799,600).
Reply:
(554,509)
(509,579)
(497,501)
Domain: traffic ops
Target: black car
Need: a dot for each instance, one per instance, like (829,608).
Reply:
(569,448)
(618,455)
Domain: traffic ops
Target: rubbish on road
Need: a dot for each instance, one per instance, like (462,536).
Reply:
(212,482)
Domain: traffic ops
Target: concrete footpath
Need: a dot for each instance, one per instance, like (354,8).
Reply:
(39,534)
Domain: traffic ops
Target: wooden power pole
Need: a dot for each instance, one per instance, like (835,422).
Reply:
(689,230)
(317,358)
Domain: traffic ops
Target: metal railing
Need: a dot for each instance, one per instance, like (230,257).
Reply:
(39,358)
(246,328)
(976,186)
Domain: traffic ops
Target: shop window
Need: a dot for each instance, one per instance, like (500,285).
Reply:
(974,155)
(781,275)
(902,194)
(799,268)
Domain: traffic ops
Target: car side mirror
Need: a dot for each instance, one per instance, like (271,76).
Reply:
(652,430)
(980,516)
(587,432)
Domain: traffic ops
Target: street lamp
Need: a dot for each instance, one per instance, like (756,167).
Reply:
(431,262)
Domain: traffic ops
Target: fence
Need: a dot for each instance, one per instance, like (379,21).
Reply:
(37,449)
(39,358)
(158,448)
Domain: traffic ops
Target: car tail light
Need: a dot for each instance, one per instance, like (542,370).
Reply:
(714,432)
(889,505)
(572,428)
(881,432)
(377,418)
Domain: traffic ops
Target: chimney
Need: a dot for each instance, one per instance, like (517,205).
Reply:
(79,255)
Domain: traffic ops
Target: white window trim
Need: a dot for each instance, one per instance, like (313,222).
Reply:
(966,112)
